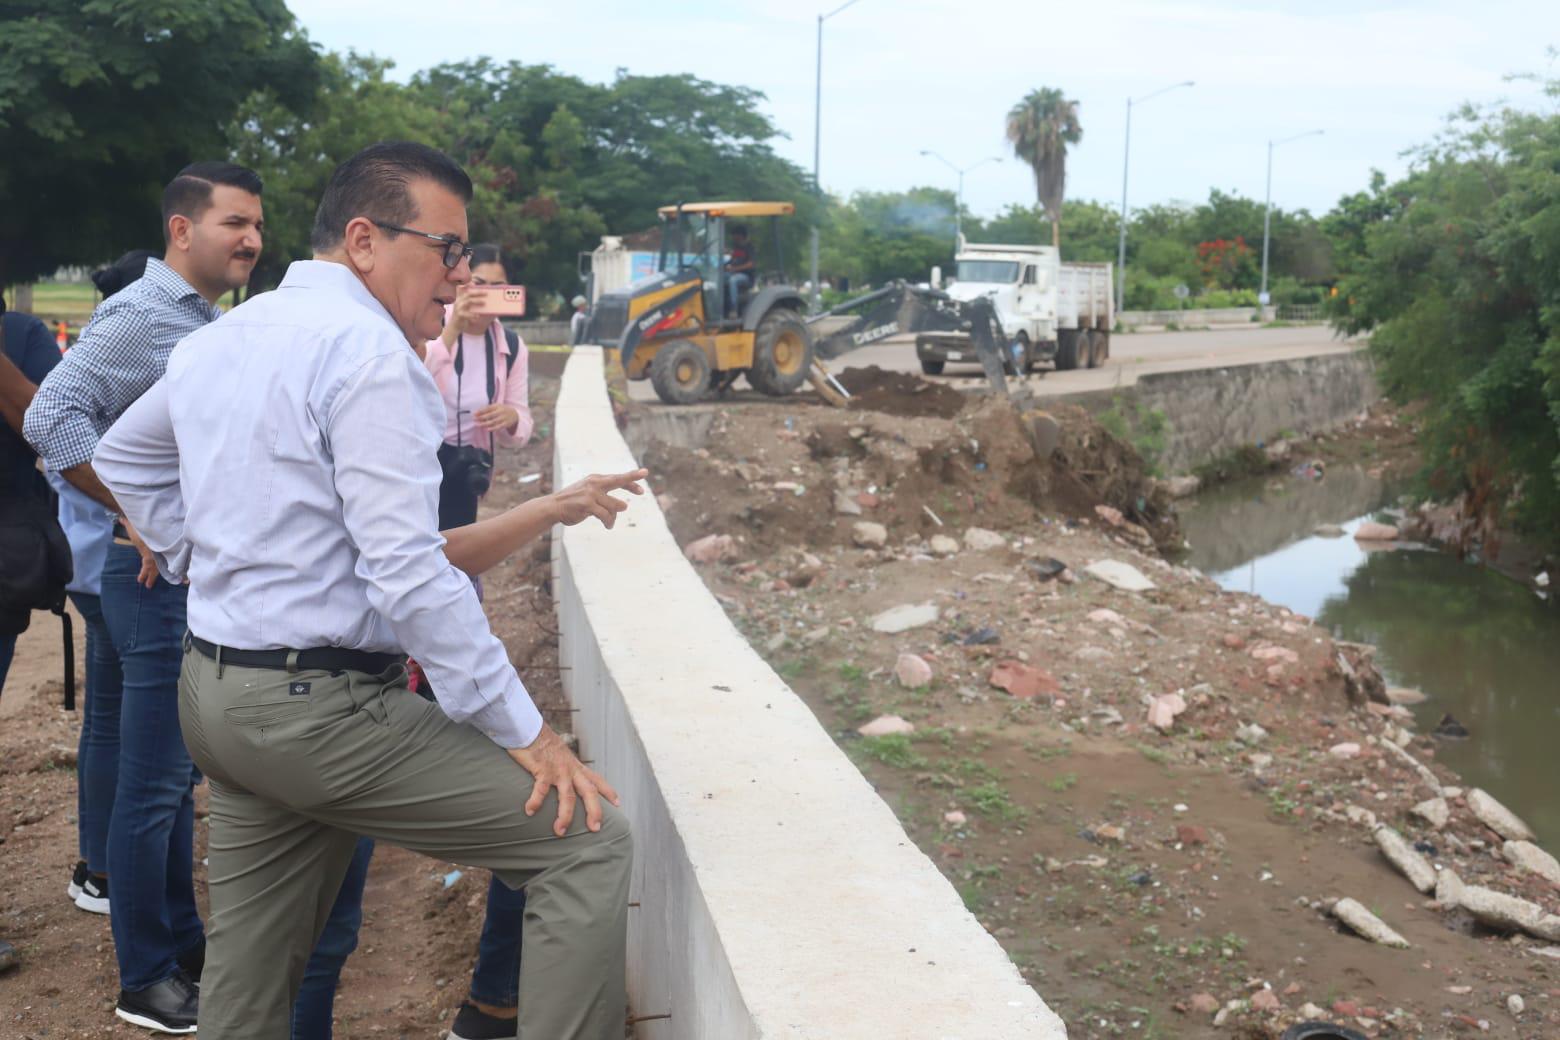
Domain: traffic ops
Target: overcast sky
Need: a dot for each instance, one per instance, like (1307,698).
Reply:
(900,76)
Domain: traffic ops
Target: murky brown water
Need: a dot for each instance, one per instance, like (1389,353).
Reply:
(1483,647)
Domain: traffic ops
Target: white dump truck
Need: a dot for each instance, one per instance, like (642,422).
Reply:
(1049,311)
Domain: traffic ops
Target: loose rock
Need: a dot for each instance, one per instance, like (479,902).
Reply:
(1530,857)
(1164,709)
(1403,856)
(1348,749)
(886,725)
(1497,817)
(912,671)
(905,617)
(1119,575)
(845,503)
(1496,908)
(981,540)
(1433,811)
(1402,695)
(711,548)
(1370,531)
(1023,681)
(1204,1003)
(868,534)
(942,545)
(1367,924)
(1251,733)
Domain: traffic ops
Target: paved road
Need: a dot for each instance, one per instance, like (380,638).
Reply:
(1132,355)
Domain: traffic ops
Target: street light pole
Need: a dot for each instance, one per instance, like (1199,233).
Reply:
(958,205)
(817,294)
(1267,209)
(1126,154)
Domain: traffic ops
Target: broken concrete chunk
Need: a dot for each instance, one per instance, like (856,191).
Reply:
(1403,856)
(980,540)
(711,548)
(869,534)
(912,671)
(1366,924)
(1348,749)
(1497,909)
(845,503)
(1164,709)
(885,726)
(905,617)
(1370,531)
(942,545)
(1251,733)
(1530,857)
(1497,817)
(1119,575)
(1433,811)
(1024,681)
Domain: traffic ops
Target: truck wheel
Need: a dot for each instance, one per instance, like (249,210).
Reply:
(1096,349)
(680,373)
(1067,349)
(1104,340)
(782,354)
(1025,362)
(932,368)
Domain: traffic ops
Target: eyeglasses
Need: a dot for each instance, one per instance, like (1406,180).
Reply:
(454,249)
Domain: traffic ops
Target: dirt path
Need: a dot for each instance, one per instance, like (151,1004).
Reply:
(1148,882)
(419,935)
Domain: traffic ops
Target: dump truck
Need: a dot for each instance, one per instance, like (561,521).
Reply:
(1049,311)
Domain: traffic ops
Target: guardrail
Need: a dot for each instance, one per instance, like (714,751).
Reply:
(775,894)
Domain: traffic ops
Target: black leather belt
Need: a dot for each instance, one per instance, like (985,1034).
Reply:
(120,532)
(319,658)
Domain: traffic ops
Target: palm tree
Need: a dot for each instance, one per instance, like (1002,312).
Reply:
(1040,128)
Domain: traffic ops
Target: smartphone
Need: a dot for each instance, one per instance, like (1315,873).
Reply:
(501,301)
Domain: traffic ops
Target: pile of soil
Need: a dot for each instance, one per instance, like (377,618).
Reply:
(876,389)
(803,475)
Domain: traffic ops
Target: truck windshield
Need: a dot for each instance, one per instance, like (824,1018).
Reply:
(988,271)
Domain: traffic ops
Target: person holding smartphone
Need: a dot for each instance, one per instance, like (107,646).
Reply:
(480,369)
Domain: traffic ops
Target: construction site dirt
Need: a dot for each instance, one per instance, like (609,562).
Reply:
(1151,798)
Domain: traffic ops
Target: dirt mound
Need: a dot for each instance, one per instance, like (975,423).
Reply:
(900,393)
(780,478)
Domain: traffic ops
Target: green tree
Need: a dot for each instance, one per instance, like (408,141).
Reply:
(879,236)
(1040,128)
(102,101)
(1455,273)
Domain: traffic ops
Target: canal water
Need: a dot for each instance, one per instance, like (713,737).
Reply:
(1483,647)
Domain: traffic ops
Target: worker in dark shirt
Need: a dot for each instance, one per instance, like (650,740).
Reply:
(740,268)
(27,353)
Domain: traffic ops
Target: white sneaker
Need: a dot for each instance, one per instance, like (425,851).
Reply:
(93,897)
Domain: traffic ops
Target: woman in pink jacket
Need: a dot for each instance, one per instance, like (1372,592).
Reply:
(480,369)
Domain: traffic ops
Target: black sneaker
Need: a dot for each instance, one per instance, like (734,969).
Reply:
(192,962)
(171,1006)
(474,1024)
(93,897)
(77,876)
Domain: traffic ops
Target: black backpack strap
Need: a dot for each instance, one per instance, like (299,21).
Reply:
(513,339)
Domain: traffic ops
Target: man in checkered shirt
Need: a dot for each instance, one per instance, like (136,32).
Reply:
(212,225)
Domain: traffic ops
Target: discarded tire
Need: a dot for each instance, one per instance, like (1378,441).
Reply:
(1321,1031)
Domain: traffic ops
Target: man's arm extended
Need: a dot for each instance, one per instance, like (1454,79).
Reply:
(479,547)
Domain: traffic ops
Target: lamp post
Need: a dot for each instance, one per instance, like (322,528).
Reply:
(958,205)
(817,294)
(1126,153)
(1267,209)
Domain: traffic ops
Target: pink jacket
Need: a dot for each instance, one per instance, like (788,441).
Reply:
(509,386)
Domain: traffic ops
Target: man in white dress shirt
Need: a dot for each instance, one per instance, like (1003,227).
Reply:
(287,467)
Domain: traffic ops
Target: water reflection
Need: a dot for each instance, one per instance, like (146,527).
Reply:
(1482,646)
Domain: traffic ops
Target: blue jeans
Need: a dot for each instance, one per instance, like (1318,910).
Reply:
(151,835)
(97,752)
(735,283)
(495,980)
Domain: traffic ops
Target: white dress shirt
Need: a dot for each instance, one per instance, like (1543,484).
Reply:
(287,466)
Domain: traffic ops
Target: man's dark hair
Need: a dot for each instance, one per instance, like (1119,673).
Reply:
(189,193)
(486,253)
(376,183)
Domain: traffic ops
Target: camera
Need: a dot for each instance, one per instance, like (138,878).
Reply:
(475,467)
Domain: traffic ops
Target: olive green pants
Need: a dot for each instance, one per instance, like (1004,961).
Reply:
(301,764)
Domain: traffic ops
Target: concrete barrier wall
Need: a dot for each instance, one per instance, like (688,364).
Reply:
(1211,412)
(1212,316)
(777,894)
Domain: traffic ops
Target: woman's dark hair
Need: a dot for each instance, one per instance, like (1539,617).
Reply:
(486,253)
(121,272)
(376,183)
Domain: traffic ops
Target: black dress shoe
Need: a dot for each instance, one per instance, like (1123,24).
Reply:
(168,1007)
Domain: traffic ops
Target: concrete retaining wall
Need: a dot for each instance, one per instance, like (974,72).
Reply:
(1211,412)
(1211,316)
(777,894)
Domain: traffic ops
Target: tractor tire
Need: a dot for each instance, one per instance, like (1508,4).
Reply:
(1067,343)
(782,354)
(933,368)
(680,373)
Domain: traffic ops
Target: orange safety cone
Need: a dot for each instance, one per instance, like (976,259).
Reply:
(62,336)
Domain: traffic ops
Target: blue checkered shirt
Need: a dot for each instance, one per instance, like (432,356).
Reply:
(123,351)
